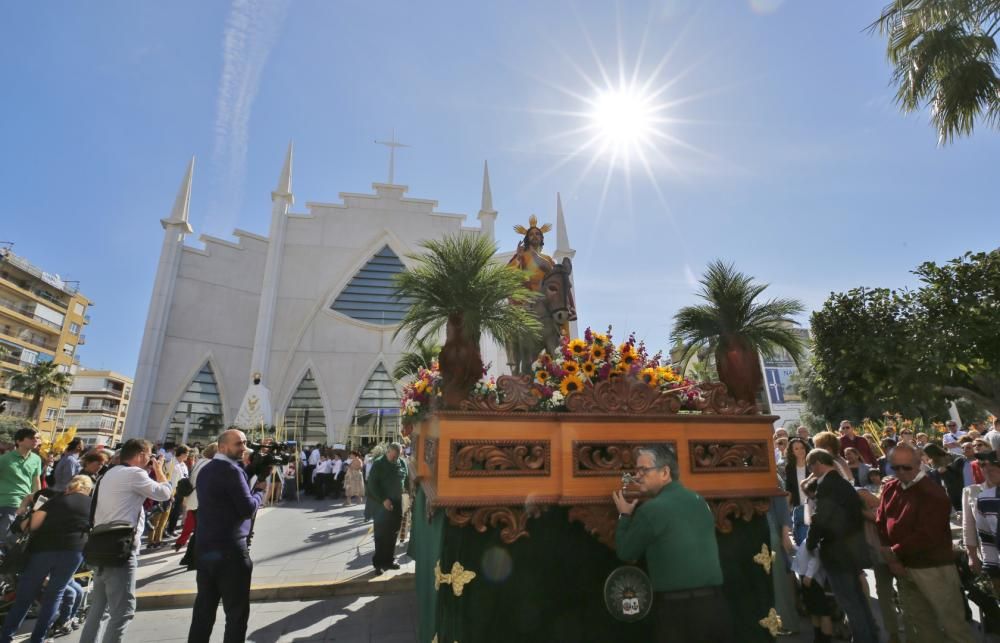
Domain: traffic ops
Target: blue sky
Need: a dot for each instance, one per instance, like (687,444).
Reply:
(790,158)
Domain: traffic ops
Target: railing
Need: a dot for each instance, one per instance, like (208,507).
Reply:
(26,266)
(27,311)
(82,340)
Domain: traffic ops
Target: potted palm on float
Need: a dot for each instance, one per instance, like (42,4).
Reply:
(737,325)
(422,355)
(456,285)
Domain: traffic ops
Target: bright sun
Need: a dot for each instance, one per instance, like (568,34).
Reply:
(622,119)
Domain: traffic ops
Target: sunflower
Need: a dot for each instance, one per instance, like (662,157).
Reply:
(578,348)
(598,352)
(626,349)
(571,384)
(589,368)
(649,376)
(541,376)
(628,359)
(599,339)
(667,374)
(571,367)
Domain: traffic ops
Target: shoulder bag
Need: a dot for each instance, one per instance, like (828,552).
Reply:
(110,543)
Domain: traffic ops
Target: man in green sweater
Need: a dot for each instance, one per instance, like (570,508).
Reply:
(674,530)
(385,492)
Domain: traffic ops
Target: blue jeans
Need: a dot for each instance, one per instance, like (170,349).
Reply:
(59,566)
(71,599)
(112,603)
(799,527)
(853,600)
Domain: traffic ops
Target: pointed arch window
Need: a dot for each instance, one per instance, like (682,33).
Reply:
(198,414)
(369,296)
(376,415)
(305,419)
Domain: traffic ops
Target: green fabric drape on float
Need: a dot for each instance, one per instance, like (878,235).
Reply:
(549,586)
(748,587)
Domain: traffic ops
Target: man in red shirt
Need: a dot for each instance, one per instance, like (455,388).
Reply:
(849,439)
(913,527)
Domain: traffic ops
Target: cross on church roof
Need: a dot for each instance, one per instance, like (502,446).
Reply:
(392,144)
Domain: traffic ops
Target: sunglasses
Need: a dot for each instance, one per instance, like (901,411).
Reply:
(903,467)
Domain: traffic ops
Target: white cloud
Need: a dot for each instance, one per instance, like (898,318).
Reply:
(251,31)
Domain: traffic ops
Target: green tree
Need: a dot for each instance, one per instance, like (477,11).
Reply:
(944,56)
(910,352)
(456,285)
(736,325)
(39,381)
(424,352)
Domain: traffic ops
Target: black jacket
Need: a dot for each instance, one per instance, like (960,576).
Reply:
(838,526)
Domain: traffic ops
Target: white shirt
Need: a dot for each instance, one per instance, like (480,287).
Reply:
(324,466)
(175,471)
(314,457)
(950,442)
(123,490)
(338,466)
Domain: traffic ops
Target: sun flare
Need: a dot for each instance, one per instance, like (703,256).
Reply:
(622,118)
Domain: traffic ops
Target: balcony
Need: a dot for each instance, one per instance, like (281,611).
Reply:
(81,340)
(29,312)
(25,286)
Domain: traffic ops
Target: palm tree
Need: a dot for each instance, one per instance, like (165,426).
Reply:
(41,380)
(737,327)
(945,55)
(425,352)
(456,285)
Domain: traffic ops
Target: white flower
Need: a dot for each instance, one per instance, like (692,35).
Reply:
(557,398)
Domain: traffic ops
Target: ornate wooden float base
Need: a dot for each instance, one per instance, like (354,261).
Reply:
(514,527)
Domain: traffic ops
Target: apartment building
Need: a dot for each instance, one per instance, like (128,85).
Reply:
(98,404)
(42,318)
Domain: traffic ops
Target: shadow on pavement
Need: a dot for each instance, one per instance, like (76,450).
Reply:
(364,618)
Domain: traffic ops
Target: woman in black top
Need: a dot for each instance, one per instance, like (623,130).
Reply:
(59,531)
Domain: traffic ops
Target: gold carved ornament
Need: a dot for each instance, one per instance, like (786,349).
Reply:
(765,558)
(435,639)
(771,622)
(458,578)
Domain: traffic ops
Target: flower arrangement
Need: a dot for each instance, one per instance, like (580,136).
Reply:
(579,363)
(594,358)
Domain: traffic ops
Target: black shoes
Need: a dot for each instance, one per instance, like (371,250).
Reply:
(378,571)
(392,566)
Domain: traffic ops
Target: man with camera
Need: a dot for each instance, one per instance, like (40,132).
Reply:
(226,506)
(119,497)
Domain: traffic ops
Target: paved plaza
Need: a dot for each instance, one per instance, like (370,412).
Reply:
(298,547)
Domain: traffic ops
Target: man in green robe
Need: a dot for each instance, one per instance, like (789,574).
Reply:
(385,492)
(675,532)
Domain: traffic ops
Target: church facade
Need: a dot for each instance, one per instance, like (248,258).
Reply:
(293,329)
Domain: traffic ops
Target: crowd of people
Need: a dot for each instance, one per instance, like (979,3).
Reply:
(889,507)
(95,508)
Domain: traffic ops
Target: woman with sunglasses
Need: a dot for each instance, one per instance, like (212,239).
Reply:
(796,472)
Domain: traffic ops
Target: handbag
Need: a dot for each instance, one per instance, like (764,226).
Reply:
(110,543)
(15,554)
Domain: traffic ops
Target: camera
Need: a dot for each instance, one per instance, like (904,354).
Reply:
(266,456)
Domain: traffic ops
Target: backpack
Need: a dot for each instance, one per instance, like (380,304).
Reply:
(184,487)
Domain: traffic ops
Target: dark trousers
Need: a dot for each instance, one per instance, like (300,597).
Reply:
(323,484)
(175,513)
(386,531)
(853,599)
(222,575)
(307,478)
(692,616)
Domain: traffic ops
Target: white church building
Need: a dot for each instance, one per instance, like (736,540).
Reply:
(294,328)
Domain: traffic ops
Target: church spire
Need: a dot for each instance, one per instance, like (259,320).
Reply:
(487,215)
(487,203)
(563,248)
(284,188)
(179,213)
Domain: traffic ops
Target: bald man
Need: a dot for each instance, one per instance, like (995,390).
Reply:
(226,506)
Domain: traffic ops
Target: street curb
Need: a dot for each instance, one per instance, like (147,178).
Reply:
(289,592)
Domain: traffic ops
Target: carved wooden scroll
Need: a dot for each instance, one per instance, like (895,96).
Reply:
(512,521)
(726,510)
(515,391)
(622,395)
(728,456)
(600,521)
(605,458)
(488,458)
